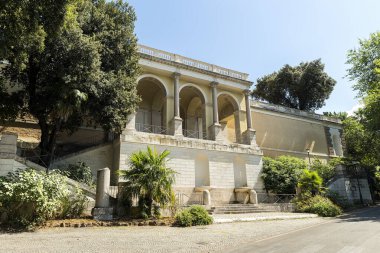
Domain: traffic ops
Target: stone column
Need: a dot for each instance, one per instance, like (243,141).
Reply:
(176,77)
(176,121)
(215,115)
(249,135)
(102,209)
(248,108)
(216,128)
(103,183)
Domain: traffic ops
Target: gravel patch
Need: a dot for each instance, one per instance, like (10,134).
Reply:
(213,238)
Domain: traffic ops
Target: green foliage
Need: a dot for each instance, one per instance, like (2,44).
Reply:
(184,218)
(149,179)
(362,132)
(30,198)
(338,115)
(364,62)
(71,63)
(72,205)
(325,170)
(193,216)
(319,205)
(79,172)
(281,175)
(310,182)
(304,87)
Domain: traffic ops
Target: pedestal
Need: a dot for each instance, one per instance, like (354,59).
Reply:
(216,131)
(249,137)
(176,127)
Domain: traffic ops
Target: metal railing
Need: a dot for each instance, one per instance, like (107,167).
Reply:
(154,129)
(182,198)
(274,198)
(191,62)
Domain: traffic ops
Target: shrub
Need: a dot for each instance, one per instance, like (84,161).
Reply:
(184,218)
(281,175)
(79,172)
(310,182)
(324,170)
(193,216)
(73,205)
(29,198)
(318,205)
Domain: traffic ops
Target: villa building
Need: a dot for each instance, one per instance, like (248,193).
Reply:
(216,134)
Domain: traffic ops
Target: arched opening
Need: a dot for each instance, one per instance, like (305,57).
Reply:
(151,113)
(192,112)
(202,173)
(229,118)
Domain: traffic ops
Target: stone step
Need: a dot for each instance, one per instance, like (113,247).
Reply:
(241,211)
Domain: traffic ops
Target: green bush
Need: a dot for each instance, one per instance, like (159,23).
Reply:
(318,205)
(184,218)
(325,170)
(281,175)
(79,172)
(193,216)
(310,182)
(29,198)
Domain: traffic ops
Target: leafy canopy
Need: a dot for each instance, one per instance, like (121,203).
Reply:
(303,87)
(70,63)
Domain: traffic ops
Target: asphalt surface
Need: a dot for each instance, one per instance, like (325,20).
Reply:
(358,232)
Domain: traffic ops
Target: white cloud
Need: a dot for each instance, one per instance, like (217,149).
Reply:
(355,108)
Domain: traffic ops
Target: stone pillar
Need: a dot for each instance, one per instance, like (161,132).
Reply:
(215,115)
(102,210)
(253,197)
(248,108)
(8,145)
(176,121)
(206,198)
(176,77)
(249,136)
(102,185)
(216,129)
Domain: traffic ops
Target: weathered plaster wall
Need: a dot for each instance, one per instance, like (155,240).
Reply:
(97,157)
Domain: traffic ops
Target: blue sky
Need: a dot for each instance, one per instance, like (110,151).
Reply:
(260,36)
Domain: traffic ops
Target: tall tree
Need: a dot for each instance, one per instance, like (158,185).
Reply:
(304,87)
(70,62)
(365,71)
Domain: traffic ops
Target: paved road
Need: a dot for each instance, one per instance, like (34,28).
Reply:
(358,232)
(213,238)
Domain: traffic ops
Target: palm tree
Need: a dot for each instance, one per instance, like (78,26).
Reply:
(150,180)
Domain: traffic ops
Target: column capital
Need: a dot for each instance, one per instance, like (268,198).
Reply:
(176,75)
(214,84)
(247,92)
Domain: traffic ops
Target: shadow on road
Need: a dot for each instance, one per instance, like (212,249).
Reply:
(367,214)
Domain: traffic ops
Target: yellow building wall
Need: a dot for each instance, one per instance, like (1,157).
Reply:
(278,135)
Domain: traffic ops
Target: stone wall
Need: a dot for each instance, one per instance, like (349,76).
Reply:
(227,166)
(96,158)
(348,187)
(8,149)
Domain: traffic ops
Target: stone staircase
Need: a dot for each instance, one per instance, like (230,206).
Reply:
(250,208)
